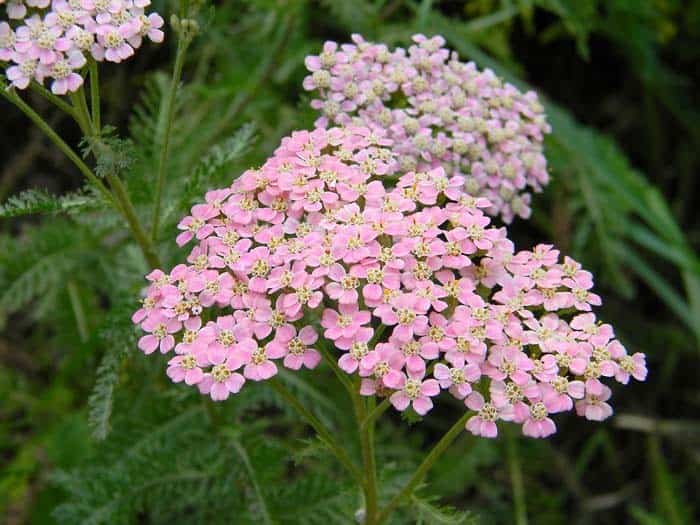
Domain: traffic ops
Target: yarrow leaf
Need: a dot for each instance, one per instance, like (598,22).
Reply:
(101,397)
(39,201)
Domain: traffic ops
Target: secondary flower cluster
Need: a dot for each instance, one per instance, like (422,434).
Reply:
(50,39)
(438,111)
(411,288)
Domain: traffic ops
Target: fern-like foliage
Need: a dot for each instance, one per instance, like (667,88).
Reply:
(114,155)
(217,160)
(39,201)
(353,13)
(430,513)
(40,263)
(212,171)
(101,398)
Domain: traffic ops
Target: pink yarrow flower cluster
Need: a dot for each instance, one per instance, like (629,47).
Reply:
(409,287)
(438,111)
(52,39)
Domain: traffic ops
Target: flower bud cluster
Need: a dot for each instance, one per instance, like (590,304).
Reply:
(409,285)
(438,111)
(51,39)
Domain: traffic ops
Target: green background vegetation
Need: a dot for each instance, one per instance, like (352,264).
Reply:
(91,431)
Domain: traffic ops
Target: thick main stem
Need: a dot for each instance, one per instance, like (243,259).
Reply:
(164,131)
(323,433)
(423,468)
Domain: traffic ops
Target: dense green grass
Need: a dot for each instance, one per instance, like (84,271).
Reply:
(92,432)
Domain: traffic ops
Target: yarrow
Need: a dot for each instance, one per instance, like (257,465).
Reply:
(51,39)
(438,112)
(405,283)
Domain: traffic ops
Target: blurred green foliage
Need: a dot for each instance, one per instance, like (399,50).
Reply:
(92,432)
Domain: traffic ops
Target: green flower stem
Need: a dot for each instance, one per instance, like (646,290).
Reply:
(15,99)
(56,101)
(375,412)
(121,196)
(262,504)
(516,478)
(95,95)
(118,197)
(82,113)
(366,433)
(368,462)
(164,130)
(323,433)
(423,468)
(129,213)
(342,376)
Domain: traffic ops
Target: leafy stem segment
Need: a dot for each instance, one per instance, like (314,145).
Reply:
(323,433)
(118,198)
(125,206)
(423,468)
(15,99)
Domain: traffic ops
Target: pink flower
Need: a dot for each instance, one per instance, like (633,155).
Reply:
(558,396)
(295,348)
(305,293)
(415,391)
(197,225)
(484,422)
(383,362)
(160,337)
(345,323)
(343,288)
(260,365)
(406,314)
(457,380)
(63,72)
(537,424)
(112,43)
(594,407)
(187,368)
(221,382)
(24,72)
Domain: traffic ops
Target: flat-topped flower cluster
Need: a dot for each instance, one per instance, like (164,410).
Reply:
(439,112)
(400,273)
(51,39)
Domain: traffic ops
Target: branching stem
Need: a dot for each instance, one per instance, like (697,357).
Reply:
(323,433)
(423,468)
(15,99)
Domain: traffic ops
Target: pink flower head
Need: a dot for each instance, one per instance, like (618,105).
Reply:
(405,275)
